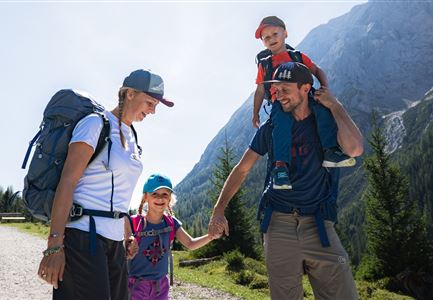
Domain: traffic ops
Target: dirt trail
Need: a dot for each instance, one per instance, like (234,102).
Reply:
(20,255)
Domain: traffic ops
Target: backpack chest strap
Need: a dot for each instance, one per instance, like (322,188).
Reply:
(153,232)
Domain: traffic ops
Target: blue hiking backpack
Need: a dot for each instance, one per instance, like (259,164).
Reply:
(65,109)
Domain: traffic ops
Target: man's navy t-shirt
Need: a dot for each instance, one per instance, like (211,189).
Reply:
(310,181)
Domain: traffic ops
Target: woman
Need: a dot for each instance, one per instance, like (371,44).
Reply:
(85,258)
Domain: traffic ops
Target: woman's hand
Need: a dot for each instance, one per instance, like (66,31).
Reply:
(52,267)
(131,247)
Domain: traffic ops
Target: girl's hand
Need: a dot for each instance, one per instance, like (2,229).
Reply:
(215,236)
(131,247)
(52,267)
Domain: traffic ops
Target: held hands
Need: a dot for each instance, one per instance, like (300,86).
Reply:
(325,97)
(218,225)
(131,247)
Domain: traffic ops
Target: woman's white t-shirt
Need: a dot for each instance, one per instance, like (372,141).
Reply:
(93,190)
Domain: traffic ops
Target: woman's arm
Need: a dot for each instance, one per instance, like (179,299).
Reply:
(51,267)
(131,245)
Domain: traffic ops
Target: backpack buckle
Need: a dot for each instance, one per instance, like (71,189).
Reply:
(116,214)
(148,233)
(76,211)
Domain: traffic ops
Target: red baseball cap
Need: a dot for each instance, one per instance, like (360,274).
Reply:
(269,21)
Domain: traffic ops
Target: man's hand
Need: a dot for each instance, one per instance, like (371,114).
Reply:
(325,97)
(218,225)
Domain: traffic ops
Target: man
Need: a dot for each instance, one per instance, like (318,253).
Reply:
(299,223)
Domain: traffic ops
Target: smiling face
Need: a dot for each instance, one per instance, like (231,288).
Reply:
(273,38)
(158,200)
(137,106)
(290,95)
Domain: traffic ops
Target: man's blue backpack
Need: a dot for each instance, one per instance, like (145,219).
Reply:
(65,109)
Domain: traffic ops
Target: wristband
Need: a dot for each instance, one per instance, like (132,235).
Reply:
(54,235)
(53,250)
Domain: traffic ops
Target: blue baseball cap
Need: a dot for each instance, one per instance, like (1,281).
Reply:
(147,82)
(292,72)
(156,182)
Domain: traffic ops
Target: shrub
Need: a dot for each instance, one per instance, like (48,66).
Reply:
(255,265)
(244,277)
(235,261)
(259,282)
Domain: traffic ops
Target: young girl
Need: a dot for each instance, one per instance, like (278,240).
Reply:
(148,268)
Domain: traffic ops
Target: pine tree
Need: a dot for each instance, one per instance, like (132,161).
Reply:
(241,235)
(10,201)
(396,232)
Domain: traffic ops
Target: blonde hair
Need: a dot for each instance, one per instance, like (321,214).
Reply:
(122,96)
(170,204)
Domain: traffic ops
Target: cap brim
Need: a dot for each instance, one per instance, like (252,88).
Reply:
(160,98)
(163,187)
(259,30)
(274,81)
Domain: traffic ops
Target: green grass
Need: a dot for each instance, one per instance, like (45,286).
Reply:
(38,229)
(214,274)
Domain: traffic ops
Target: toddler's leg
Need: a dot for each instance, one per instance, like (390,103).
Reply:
(281,146)
(327,130)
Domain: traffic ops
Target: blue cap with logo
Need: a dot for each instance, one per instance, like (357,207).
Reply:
(156,182)
(292,72)
(147,82)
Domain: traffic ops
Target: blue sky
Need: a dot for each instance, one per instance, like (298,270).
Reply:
(203,50)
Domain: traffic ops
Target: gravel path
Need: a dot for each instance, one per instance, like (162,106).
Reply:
(20,255)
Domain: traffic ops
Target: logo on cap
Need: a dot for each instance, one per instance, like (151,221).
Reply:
(286,74)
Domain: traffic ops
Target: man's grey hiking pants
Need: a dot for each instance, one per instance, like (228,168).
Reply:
(292,246)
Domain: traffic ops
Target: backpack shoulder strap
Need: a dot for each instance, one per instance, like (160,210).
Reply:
(295,55)
(136,139)
(266,63)
(104,137)
(170,222)
(137,225)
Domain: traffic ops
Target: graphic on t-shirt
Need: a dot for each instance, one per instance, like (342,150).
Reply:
(155,251)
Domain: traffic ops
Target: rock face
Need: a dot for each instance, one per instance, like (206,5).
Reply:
(379,56)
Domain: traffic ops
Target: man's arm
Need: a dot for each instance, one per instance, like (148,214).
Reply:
(218,223)
(349,137)
(259,95)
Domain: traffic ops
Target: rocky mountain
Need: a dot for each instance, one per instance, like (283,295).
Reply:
(377,57)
